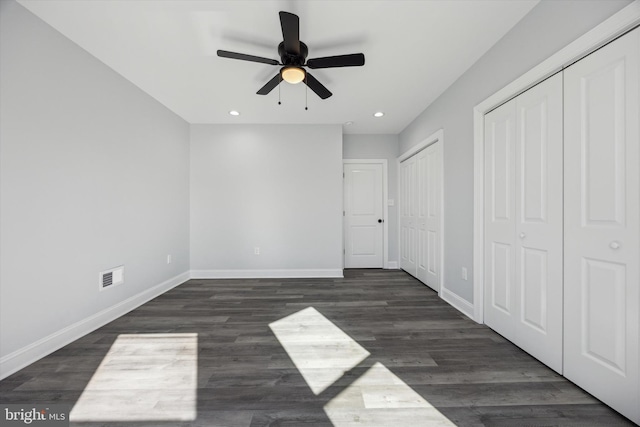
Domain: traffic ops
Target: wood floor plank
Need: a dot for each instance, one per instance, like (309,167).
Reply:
(424,364)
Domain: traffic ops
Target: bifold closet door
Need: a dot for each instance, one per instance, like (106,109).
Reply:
(500,227)
(539,219)
(523,221)
(602,224)
(428,219)
(420,199)
(408,216)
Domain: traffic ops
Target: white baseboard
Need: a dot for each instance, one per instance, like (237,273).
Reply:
(457,302)
(392,265)
(266,274)
(25,356)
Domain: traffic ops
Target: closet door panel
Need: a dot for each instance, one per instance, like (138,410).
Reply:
(422,175)
(538,212)
(500,132)
(408,214)
(602,224)
(428,164)
(433,213)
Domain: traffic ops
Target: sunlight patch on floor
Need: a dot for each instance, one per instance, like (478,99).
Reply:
(384,399)
(321,351)
(143,377)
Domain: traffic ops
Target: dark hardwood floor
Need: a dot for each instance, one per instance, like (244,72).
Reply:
(376,348)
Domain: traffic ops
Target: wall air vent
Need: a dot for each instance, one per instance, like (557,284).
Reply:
(107,279)
(111,277)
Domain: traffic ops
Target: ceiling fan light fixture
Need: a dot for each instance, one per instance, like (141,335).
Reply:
(293,57)
(293,75)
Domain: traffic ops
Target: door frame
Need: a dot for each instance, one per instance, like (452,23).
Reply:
(610,29)
(435,138)
(385,208)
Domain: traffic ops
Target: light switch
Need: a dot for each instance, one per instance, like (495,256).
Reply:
(391,202)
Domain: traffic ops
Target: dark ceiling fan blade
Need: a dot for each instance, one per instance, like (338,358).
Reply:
(271,84)
(352,60)
(245,57)
(290,32)
(317,87)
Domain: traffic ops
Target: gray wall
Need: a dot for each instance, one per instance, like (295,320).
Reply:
(550,26)
(379,147)
(276,187)
(93,174)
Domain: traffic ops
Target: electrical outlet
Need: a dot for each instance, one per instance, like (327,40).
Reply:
(169,259)
(256,250)
(464,273)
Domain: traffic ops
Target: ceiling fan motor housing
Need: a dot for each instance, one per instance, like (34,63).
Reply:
(289,58)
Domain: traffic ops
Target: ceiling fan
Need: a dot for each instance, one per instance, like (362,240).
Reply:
(293,57)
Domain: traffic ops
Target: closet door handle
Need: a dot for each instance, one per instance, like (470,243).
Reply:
(614,245)
(522,235)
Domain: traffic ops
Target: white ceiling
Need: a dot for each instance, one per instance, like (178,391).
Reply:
(414,50)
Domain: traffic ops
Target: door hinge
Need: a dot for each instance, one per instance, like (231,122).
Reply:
(342,174)
(343,214)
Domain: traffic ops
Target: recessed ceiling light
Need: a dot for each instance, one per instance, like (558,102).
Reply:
(378,114)
(349,123)
(234,113)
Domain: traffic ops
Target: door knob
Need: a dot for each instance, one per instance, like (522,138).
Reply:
(614,245)
(522,235)
(380,221)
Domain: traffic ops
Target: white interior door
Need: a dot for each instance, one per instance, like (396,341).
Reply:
(602,216)
(538,214)
(363,209)
(523,221)
(499,245)
(408,216)
(429,174)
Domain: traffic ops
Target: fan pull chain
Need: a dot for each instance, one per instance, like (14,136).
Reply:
(279,84)
(306,91)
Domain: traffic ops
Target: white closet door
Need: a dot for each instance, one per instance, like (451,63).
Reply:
(523,221)
(538,214)
(499,245)
(408,214)
(428,265)
(602,215)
